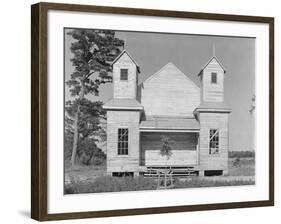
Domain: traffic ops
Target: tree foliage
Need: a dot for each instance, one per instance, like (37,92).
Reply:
(166,149)
(253,104)
(89,153)
(241,154)
(90,116)
(93,51)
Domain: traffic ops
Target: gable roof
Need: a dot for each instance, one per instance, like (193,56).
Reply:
(163,68)
(120,55)
(217,60)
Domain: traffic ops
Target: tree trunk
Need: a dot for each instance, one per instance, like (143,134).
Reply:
(75,138)
(76,129)
(165,179)
(165,175)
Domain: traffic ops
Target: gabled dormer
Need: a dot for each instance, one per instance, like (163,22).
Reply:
(125,76)
(212,81)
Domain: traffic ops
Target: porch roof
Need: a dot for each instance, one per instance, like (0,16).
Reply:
(213,107)
(123,104)
(169,123)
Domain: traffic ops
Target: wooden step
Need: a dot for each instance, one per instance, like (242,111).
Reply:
(159,171)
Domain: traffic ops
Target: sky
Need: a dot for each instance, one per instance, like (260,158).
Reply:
(190,53)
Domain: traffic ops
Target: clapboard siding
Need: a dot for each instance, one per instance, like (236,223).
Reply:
(213,121)
(177,158)
(122,119)
(125,89)
(183,144)
(169,92)
(182,141)
(213,92)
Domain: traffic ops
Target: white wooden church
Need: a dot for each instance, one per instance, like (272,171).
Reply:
(169,104)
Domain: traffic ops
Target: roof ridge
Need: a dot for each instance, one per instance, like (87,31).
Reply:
(162,68)
(127,52)
(157,72)
(209,61)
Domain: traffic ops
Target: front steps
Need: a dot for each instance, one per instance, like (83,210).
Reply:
(171,171)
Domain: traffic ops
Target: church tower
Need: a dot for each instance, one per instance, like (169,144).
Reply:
(212,78)
(123,117)
(213,116)
(125,76)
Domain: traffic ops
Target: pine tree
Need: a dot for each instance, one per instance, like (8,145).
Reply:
(93,52)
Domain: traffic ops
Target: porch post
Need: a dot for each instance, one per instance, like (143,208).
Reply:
(141,151)
(198,149)
(201,173)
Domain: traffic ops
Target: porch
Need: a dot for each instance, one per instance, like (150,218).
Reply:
(183,133)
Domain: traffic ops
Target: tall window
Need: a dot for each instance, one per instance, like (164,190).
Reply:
(124,74)
(214,77)
(123,134)
(214,141)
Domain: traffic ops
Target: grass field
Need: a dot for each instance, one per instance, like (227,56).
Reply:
(93,179)
(246,167)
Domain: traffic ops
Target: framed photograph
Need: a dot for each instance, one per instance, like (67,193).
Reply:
(139,111)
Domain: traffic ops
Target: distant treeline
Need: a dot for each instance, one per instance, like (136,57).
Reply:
(241,154)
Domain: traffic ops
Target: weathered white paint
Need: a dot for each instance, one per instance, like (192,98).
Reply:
(178,158)
(169,92)
(213,121)
(122,119)
(179,141)
(213,92)
(182,144)
(125,89)
(169,130)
